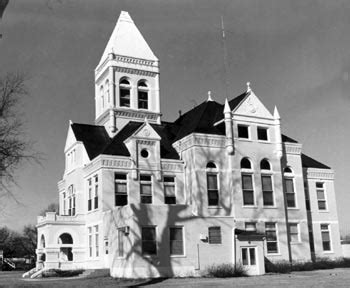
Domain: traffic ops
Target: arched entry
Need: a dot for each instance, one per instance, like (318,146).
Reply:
(65,241)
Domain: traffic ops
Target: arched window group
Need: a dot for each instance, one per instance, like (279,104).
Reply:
(248,182)
(125,92)
(212,184)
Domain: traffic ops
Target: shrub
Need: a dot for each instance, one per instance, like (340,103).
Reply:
(61,273)
(277,267)
(225,270)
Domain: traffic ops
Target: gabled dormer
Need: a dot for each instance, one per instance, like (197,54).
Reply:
(126,79)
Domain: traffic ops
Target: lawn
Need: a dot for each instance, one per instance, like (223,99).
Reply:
(339,277)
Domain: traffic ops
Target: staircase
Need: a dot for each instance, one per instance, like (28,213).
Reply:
(10,263)
(95,273)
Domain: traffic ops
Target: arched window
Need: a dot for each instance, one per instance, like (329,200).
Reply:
(65,240)
(265,165)
(245,164)
(289,185)
(212,184)
(124,93)
(247,182)
(142,95)
(102,98)
(71,200)
(108,98)
(266,182)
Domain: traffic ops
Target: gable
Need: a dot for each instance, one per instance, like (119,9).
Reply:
(253,107)
(71,139)
(146,131)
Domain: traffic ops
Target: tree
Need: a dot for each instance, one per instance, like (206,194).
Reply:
(53,207)
(14,147)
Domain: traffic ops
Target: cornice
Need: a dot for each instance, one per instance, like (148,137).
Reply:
(199,140)
(315,173)
(292,148)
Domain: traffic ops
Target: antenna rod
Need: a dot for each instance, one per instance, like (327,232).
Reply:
(225,56)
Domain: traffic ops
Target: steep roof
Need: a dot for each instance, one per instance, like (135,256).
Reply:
(94,138)
(308,162)
(288,139)
(237,100)
(201,119)
(126,40)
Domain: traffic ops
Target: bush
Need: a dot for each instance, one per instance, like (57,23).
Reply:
(225,270)
(61,273)
(318,264)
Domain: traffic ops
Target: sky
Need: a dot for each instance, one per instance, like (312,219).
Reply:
(295,54)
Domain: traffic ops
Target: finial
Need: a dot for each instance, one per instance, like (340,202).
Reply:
(70,122)
(227,107)
(248,87)
(209,96)
(276,115)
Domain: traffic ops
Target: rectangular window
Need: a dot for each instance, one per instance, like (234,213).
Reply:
(267,190)
(290,194)
(149,242)
(326,239)
(96,241)
(73,205)
(250,226)
(271,237)
(248,256)
(120,189)
(89,194)
(70,206)
(243,131)
(176,241)
(146,189)
(214,235)
(294,232)
(247,187)
(321,198)
(169,190)
(143,99)
(124,97)
(64,203)
(262,134)
(213,192)
(307,197)
(96,192)
(90,241)
(120,242)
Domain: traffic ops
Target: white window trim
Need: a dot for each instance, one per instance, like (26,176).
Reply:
(183,242)
(251,173)
(268,173)
(175,187)
(277,239)
(249,139)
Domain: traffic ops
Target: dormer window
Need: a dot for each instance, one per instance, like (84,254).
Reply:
(124,93)
(142,94)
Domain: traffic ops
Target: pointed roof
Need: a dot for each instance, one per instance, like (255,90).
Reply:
(126,40)
(308,162)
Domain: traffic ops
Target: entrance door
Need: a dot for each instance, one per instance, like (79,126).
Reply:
(249,261)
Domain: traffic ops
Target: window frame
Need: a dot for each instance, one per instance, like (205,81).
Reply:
(120,195)
(167,184)
(245,191)
(182,241)
(275,230)
(144,183)
(124,98)
(211,171)
(155,241)
(248,250)
(145,91)
(239,126)
(264,191)
(326,231)
(297,233)
(324,200)
(211,230)
(266,129)
(96,192)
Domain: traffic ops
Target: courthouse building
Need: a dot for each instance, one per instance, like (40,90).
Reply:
(221,184)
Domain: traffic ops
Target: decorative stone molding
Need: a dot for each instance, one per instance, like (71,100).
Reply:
(146,142)
(201,140)
(136,114)
(109,163)
(173,167)
(313,173)
(292,148)
(135,71)
(138,61)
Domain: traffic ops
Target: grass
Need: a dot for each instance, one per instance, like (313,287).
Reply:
(225,270)
(318,264)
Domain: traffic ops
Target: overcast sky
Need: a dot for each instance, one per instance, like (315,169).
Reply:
(294,53)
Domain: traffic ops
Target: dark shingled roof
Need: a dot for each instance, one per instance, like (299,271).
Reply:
(94,138)
(237,100)
(201,119)
(288,139)
(308,162)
